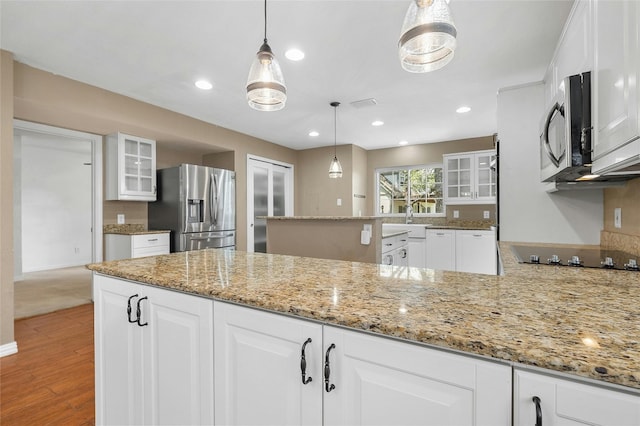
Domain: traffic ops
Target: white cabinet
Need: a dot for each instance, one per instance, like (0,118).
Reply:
(124,246)
(395,250)
(130,168)
(441,249)
(416,247)
(566,402)
(476,252)
(469,178)
(154,355)
(386,382)
(616,91)
(258,368)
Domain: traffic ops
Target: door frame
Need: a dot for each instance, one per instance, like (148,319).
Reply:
(96,175)
(289,201)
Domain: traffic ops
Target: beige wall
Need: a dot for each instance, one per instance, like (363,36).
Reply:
(220,160)
(359,181)
(628,199)
(6,195)
(425,154)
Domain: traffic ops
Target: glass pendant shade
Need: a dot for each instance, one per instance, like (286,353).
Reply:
(335,169)
(428,37)
(266,90)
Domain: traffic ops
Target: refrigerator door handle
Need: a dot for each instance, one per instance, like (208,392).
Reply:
(211,198)
(215,198)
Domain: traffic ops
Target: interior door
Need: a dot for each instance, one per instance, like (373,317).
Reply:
(269,193)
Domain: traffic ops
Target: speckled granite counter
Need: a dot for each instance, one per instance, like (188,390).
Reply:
(581,322)
(131,229)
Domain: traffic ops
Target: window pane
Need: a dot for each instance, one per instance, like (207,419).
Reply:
(419,187)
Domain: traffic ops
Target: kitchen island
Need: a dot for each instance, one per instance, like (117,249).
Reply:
(573,322)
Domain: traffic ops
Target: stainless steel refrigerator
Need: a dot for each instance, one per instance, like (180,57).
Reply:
(198,205)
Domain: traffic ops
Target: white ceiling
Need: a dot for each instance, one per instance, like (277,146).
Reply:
(153,51)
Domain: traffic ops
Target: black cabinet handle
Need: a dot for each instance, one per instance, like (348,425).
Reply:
(536,401)
(139,313)
(327,370)
(129,309)
(303,363)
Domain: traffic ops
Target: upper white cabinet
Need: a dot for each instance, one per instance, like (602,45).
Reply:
(470,178)
(378,381)
(574,53)
(154,355)
(539,399)
(130,168)
(616,76)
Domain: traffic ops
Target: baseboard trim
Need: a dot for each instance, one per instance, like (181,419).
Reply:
(8,349)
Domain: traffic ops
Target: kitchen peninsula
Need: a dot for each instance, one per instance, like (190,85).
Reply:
(566,324)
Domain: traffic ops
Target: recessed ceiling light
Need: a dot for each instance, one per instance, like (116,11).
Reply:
(377,123)
(463,109)
(203,84)
(294,54)
(313,133)
(403,143)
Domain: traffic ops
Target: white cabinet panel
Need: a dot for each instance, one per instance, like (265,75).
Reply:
(476,252)
(564,402)
(469,178)
(382,382)
(258,368)
(441,249)
(123,246)
(154,355)
(130,168)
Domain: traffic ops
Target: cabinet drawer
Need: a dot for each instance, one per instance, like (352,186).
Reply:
(392,243)
(150,251)
(149,240)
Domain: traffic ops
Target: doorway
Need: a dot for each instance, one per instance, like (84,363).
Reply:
(269,193)
(57,214)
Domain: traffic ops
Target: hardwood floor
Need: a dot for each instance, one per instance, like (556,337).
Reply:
(51,378)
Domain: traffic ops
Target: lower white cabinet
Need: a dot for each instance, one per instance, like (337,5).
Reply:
(154,355)
(476,252)
(540,399)
(395,250)
(386,382)
(441,249)
(125,246)
(258,371)
(359,379)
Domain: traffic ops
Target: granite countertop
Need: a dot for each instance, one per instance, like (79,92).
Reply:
(131,229)
(320,217)
(573,320)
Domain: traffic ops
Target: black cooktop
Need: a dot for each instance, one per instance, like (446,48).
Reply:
(584,257)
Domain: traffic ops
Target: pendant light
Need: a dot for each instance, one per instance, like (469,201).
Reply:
(335,169)
(266,90)
(428,37)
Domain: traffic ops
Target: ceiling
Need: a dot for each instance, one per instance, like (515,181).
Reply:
(153,51)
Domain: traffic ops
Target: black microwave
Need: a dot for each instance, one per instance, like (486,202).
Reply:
(565,138)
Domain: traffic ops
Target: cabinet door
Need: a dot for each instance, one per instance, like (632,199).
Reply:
(417,257)
(617,74)
(379,381)
(485,178)
(138,166)
(564,402)
(459,175)
(178,365)
(118,354)
(476,252)
(441,249)
(258,368)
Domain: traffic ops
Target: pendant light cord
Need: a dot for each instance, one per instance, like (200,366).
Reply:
(265,21)
(335,131)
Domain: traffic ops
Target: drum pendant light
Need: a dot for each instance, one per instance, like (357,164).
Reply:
(428,37)
(335,169)
(266,90)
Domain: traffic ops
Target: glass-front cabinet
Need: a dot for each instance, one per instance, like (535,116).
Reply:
(130,168)
(470,177)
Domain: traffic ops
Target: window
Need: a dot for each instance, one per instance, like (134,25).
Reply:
(417,186)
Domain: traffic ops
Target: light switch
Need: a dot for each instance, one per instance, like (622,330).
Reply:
(456,214)
(120,218)
(486,214)
(339,202)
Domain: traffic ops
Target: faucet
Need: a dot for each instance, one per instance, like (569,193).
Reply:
(408,217)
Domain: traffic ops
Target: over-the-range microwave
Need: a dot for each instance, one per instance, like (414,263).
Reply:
(565,137)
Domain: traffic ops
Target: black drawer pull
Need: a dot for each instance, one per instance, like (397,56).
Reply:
(536,401)
(129,309)
(139,313)
(303,363)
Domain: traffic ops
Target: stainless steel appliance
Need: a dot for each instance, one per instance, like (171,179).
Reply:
(565,138)
(574,257)
(198,205)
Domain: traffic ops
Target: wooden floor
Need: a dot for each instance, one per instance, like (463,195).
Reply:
(51,378)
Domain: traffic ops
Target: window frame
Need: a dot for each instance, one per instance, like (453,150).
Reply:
(408,170)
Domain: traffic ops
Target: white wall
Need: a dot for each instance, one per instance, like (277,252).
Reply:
(527,212)
(56,196)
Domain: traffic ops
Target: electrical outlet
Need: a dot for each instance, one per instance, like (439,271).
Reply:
(486,214)
(339,202)
(617,217)
(456,214)
(120,218)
